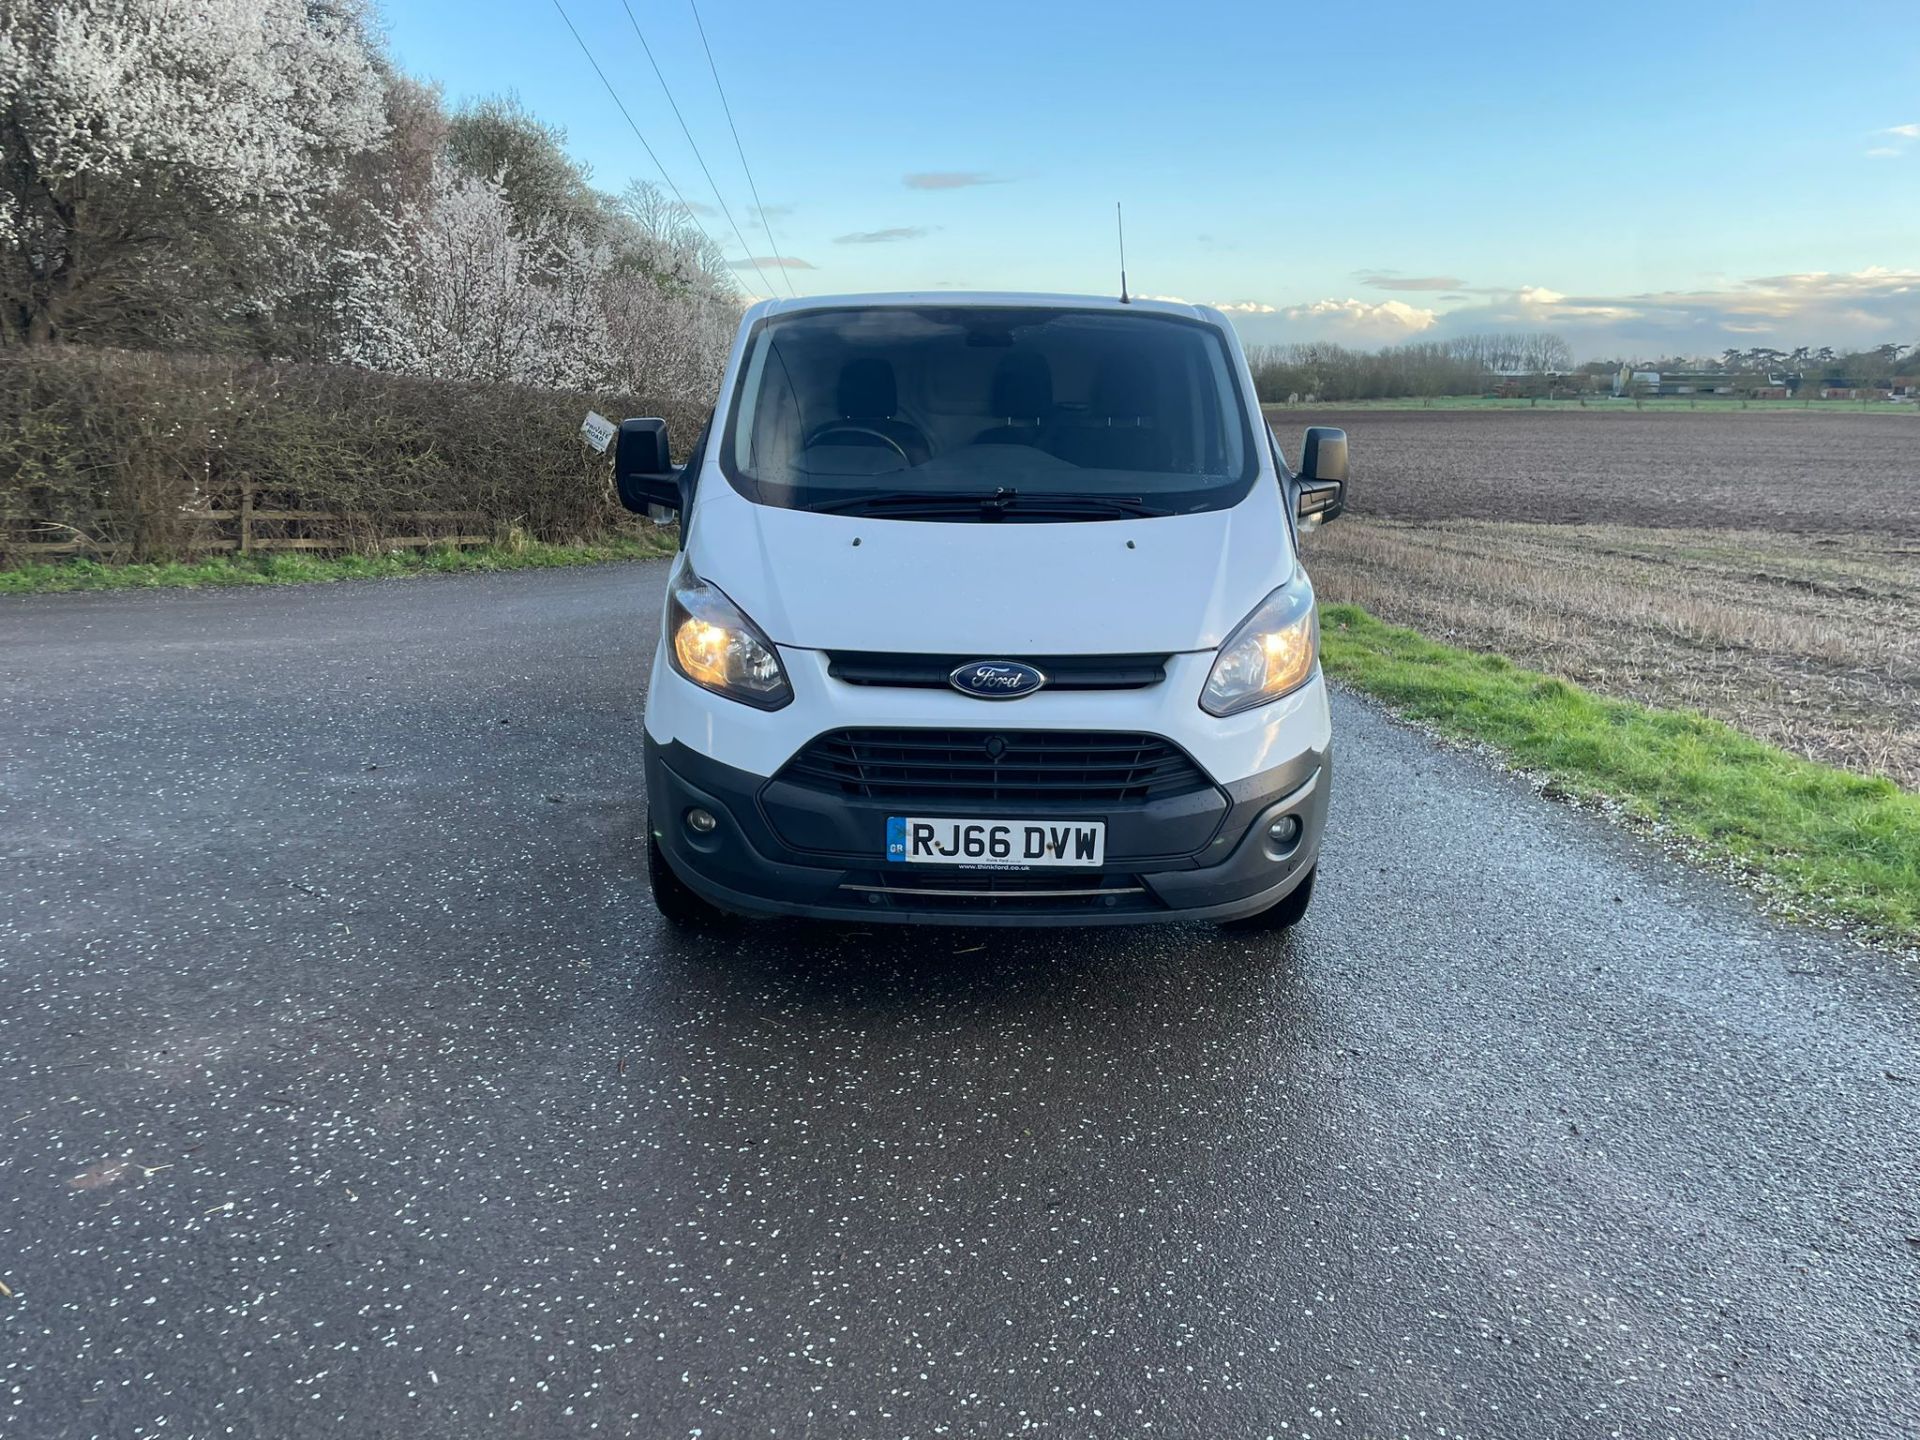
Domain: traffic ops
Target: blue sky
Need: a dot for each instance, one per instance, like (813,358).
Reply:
(1640,178)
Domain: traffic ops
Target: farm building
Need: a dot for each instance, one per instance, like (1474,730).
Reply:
(1534,384)
(1900,387)
(1675,382)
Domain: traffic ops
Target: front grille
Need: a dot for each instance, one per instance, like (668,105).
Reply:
(1063,672)
(946,767)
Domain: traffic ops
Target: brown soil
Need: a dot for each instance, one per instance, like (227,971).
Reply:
(1761,567)
(1809,641)
(1799,471)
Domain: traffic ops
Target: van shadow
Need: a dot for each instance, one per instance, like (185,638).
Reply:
(879,971)
(976,1044)
(899,1028)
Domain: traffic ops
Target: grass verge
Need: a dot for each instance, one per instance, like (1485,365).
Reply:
(291,569)
(1815,837)
(1603,405)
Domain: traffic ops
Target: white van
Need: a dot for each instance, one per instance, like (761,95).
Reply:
(989,610)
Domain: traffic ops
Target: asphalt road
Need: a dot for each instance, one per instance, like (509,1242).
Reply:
(349,1085)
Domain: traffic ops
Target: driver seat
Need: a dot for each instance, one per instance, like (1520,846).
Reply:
(867,398)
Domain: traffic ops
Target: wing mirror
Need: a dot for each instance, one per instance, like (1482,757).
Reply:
(1320,489)
(643,467)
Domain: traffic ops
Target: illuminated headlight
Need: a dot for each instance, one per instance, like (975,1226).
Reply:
(1271,654)
(718,648)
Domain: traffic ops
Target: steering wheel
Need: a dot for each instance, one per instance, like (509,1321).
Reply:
(848,427)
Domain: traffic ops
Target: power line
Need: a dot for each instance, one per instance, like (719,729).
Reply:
(698,157)
(614,95)
(739,149)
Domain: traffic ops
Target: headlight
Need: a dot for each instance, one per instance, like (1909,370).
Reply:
(1270,655)
(719,649)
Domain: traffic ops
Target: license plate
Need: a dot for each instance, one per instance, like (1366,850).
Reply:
(996,844)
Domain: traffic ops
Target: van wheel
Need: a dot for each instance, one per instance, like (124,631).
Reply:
(672,896)
(1283,916)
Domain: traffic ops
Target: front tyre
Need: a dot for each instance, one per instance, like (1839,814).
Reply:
(1282,916)
(672,896)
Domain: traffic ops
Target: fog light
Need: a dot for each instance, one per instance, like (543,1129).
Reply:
(701,822)
(1284,831)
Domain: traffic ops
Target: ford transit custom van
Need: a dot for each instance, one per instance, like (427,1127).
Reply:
(988,610)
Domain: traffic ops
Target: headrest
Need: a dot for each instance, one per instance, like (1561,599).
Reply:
(867,390)
(1022,386)
(1124,388)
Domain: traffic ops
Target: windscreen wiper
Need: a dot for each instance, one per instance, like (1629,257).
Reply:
(1048,502)
(1001,503)
(906,499)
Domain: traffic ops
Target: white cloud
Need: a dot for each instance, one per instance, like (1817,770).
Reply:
(1860,307)
(1394,280)
(1388,320)
(891,235)
(1538,305)
(1787,291)
(1231,307)
(1845,309)
(947,179)
(1903,137)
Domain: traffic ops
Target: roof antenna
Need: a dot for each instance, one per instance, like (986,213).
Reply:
(1120,223)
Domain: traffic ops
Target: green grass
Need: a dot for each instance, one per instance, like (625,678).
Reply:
(1604,405)
(296,568)
(1834,842)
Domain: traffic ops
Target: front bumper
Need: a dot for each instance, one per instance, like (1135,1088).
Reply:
(744,865)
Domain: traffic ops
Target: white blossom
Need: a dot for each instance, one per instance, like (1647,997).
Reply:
(240,99)
(121,118)
(201,169)
(483,294)
(477,291)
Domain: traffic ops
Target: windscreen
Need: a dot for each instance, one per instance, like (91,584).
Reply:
(971,413)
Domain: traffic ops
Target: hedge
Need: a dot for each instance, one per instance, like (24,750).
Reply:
(124,452)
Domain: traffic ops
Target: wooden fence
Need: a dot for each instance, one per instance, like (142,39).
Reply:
(254,529)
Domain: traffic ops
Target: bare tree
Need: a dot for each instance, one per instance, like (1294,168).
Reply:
(669,243)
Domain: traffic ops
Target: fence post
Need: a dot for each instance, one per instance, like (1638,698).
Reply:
(246,516)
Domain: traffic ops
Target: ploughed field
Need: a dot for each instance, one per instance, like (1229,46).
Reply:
(1763,567)
(1837,471)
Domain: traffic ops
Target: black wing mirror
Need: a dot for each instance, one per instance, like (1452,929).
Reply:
(643,466)
(1320,489)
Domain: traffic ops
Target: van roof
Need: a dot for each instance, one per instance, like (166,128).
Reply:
(948,299)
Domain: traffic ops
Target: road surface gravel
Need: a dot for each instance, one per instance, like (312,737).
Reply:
(349,1085)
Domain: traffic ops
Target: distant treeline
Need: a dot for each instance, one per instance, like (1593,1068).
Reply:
(1537,362)
(1467,365)
(1861,367)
